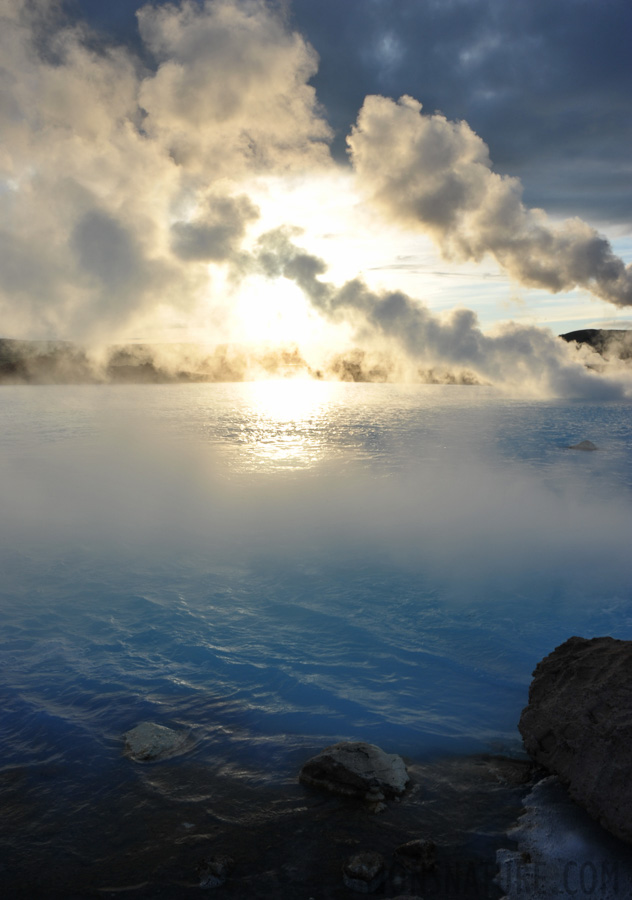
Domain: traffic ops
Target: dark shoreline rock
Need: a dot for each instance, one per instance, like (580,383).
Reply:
(578,725)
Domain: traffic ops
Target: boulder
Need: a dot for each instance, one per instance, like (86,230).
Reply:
(584,445)
(356,769)
(578,725)
(149,742)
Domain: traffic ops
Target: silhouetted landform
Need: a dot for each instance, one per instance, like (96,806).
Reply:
(42,362)
(62,362)
(614,343)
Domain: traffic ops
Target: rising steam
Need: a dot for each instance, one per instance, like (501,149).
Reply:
(435,175)
(517,357)
(127,203)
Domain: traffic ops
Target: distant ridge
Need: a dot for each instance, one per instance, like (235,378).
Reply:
(63,362)
(609,342)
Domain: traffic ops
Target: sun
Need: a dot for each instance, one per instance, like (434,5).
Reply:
(277,313)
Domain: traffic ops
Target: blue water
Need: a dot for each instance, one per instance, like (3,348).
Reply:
(280,565)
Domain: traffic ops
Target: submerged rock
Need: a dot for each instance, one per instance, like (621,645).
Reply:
(214,871)
(148,741)
(578,725)
(364,872)
(584,445)
(356,769)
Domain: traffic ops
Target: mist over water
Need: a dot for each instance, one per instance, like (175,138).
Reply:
(313,547)
(275,566)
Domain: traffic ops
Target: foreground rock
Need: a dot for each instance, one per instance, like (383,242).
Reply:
(356,769)
(578,725)
(149,742)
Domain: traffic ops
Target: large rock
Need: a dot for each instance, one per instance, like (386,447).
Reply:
(578,725)
(356,769)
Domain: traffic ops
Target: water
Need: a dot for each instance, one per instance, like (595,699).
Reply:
(274,567)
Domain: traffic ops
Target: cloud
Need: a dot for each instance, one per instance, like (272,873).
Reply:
(426,172)
(547,85)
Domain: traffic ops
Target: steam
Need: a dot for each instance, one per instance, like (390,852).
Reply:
(217,231)
(119,184)
(524,359)
(142,489)
(126,203)
(435,175)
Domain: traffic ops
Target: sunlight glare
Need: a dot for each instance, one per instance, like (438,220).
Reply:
(276,312)
(286,421)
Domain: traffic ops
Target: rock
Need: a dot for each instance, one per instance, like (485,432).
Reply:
(417,856)
(149,742)
(584,445)
(364,872)
(578,725)
(356,769)
(214,871)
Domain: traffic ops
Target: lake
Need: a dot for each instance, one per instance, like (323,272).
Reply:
(273,567)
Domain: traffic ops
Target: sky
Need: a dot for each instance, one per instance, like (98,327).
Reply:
(427,175)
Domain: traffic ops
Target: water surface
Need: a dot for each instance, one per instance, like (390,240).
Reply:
(277,566)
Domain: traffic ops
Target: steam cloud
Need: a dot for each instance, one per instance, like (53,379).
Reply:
(124,190)
(524,358)
(436,175)
(119,184)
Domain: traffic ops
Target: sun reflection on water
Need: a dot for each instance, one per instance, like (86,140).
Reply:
(286,424)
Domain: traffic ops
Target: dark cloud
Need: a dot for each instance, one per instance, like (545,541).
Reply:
(547,84)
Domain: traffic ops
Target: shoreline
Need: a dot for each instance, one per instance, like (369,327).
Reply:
(156,837)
